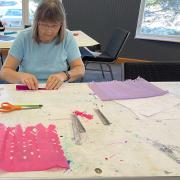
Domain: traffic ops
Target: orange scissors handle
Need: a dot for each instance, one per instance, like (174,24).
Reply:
(7,107)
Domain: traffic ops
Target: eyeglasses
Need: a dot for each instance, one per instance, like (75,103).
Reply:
(49,26)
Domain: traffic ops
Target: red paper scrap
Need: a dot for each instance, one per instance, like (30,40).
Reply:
(83,114)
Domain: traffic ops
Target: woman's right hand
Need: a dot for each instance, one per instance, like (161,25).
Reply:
(29,80)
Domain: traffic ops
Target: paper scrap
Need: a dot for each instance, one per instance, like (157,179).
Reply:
(24,87)
(150,106)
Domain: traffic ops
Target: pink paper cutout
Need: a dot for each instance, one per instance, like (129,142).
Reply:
(83,114)
(24,87)
(35,149)
(129,89)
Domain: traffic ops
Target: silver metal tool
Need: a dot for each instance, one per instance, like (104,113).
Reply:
(76,133)
(102,117)
(78,128)
(79,125)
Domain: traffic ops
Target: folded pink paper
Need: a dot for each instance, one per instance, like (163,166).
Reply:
(35,149)
(24,87)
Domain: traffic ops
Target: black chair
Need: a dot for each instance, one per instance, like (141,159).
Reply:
(109,55)
(153,71)
(27,26)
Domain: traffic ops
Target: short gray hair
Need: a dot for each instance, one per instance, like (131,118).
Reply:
(50,10)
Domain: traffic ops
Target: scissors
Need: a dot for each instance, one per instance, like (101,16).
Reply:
(8,107)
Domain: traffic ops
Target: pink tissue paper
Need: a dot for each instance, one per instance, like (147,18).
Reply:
(36,148)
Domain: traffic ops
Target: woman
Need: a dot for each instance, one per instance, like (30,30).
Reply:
(44,52)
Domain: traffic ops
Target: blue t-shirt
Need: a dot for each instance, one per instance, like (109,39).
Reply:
(44,59)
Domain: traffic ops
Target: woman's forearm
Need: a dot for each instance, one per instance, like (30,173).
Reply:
(10,75)
(76,72)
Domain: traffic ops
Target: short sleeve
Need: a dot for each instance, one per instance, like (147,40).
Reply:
(71,47)
(17,48)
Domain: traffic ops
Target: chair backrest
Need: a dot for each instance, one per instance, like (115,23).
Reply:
(153,71)
(27,26)
(116,43)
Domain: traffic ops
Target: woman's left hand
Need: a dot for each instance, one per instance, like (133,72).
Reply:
(55,81)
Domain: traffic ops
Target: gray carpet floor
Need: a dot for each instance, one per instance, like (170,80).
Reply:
(96,76)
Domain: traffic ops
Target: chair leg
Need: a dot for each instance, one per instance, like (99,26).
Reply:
(102,70)
(82,79)
(1,58)
(122,72)
(110,70)
(86,64)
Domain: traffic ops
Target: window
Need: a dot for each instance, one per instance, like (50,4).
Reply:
(159,20)
(32,5)
(15,14)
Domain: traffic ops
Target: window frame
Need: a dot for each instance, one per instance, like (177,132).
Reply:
(139,35)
